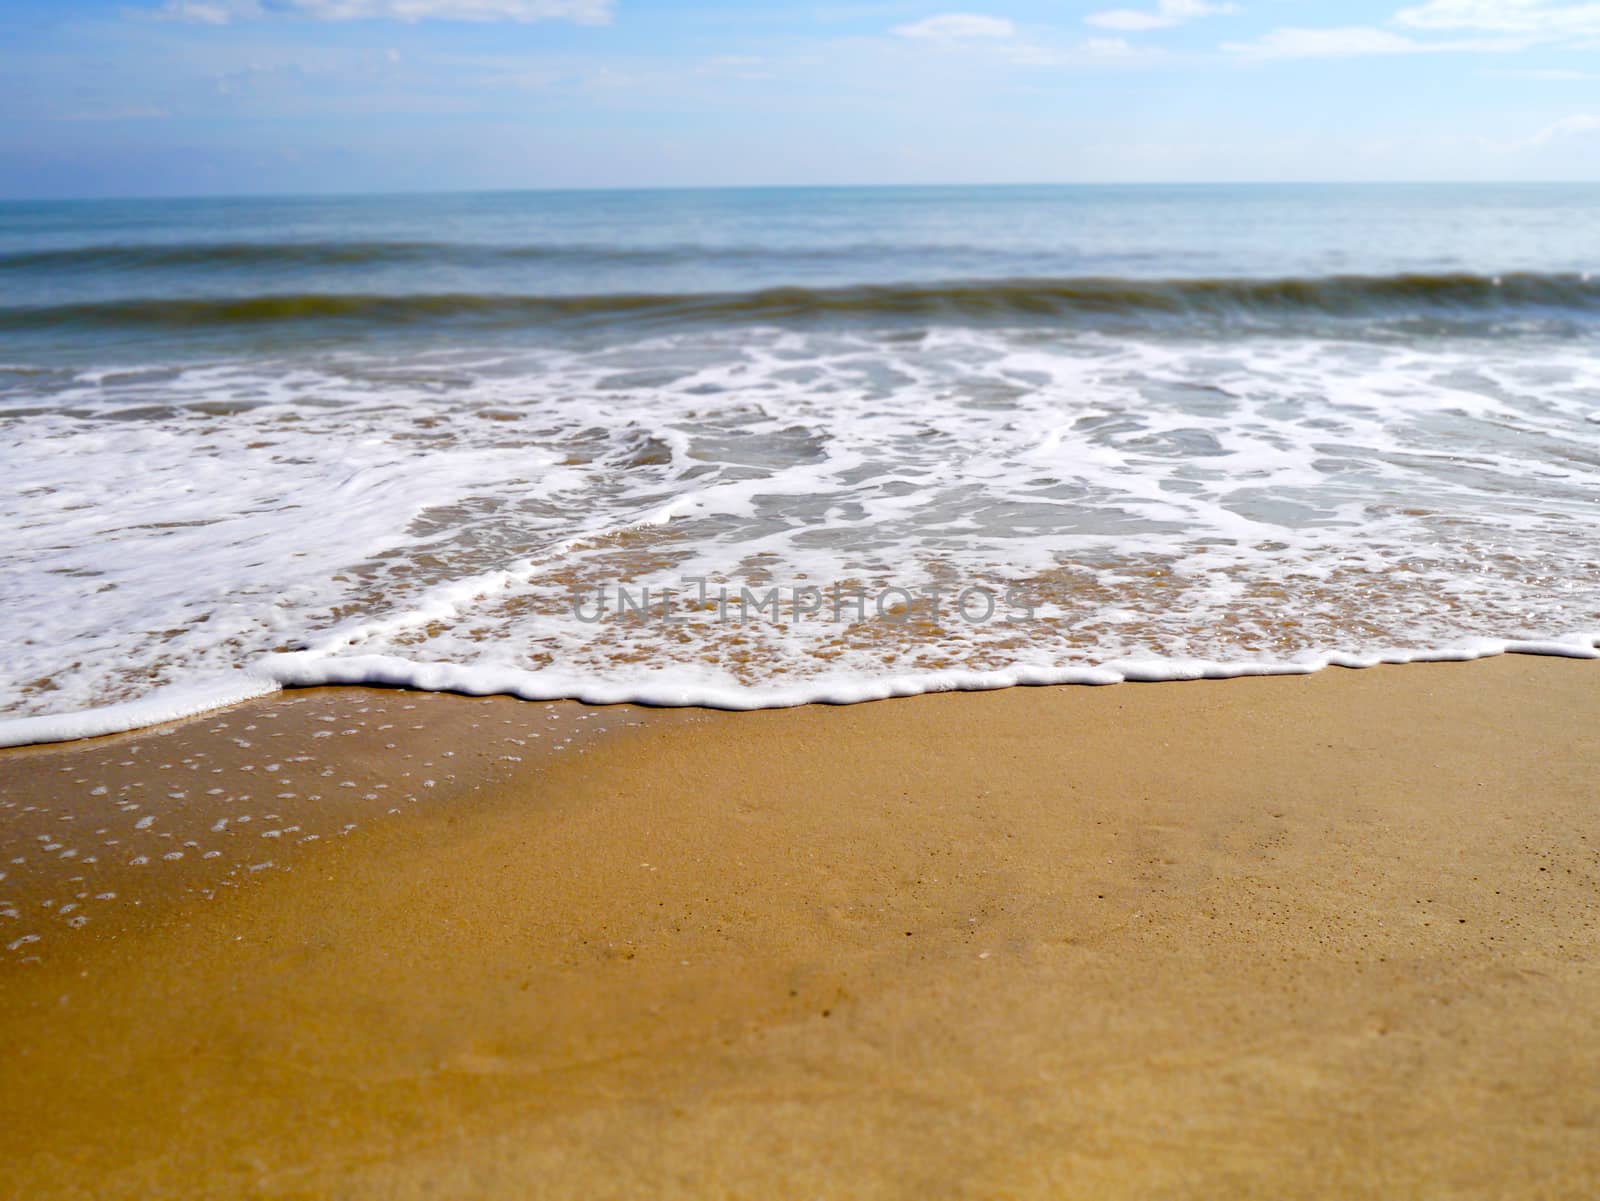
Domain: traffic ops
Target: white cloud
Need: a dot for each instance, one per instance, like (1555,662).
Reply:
(997,39)
(585,12)
(1130,20)
(1579,125)
(957,27)
(1353,40)
(1091,52)
(1537,18)
(1500,26)
(1109,48)
(1567,127)
(221,12)
(1324,43)
(1166,14)
(205,14)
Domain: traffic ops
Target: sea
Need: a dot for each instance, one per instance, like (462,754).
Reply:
(762,447)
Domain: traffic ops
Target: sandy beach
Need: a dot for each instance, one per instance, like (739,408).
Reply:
(1296,937)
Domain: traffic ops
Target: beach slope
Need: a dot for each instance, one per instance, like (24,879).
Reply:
(1291,937)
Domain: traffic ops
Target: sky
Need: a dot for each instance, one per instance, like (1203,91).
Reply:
(201,97)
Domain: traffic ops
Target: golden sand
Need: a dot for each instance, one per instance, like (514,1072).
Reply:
(1332,936)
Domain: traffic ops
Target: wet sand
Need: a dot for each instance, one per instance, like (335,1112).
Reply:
(1304,937)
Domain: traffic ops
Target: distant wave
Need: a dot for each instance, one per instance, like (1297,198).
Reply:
(193,256)
(121,257)
(1088,301)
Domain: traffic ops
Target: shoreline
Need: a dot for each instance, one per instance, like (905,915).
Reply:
(292,673)
(1279,937)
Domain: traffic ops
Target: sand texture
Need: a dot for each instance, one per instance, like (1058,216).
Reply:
(1332,936)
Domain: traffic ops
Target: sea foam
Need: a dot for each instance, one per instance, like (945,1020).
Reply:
(1169,507)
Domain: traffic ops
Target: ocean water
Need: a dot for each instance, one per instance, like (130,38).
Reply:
(761,447)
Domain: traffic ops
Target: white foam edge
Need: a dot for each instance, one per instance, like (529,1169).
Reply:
(660,689)
(309,669)
(152,709)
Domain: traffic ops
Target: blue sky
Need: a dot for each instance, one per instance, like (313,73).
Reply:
(226,96)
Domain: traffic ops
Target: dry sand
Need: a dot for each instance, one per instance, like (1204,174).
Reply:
(1330,936)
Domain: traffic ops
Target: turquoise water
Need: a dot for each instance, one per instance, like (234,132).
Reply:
(1203,429)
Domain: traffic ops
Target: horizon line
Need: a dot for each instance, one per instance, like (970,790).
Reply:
(623,189)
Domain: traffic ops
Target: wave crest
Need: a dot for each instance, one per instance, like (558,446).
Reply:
(1088,301)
